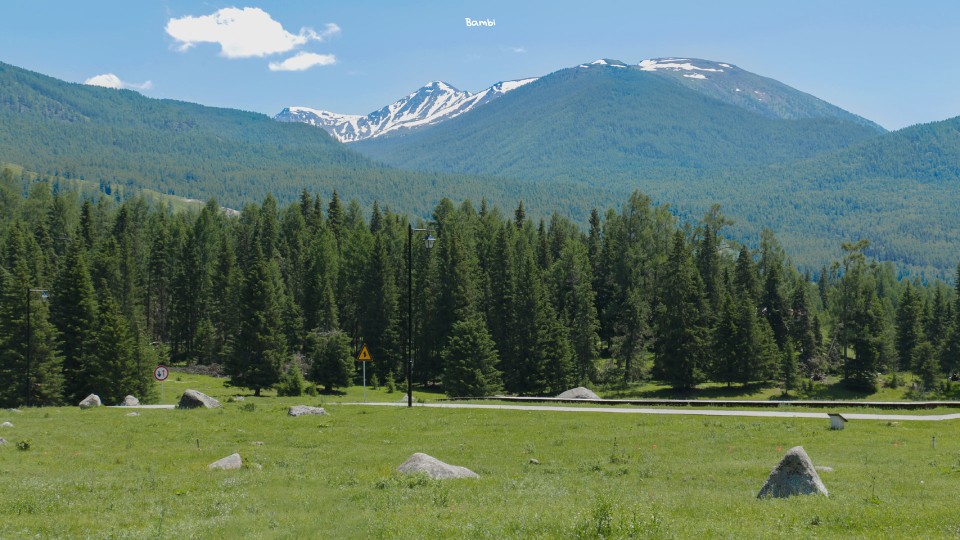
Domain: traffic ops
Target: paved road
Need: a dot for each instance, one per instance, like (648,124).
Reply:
(689,412)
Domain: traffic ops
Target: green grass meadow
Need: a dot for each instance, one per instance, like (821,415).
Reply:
(101,474)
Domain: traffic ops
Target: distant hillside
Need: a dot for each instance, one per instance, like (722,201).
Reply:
(121,137)
(606,123)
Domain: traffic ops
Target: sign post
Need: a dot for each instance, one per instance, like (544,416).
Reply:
(363,358)
(161,373)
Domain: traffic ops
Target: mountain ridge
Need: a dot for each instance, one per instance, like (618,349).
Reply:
(433,103)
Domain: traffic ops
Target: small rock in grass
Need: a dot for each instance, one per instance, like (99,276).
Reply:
(233,461)
(191,399)
(579,393)
(823,468)
(238,398)
(130,401)
(6,424)
(534,461)
(302,410)
(258,443)
(90,401)
(434,468)
(2,441)
(133,414)
(794,475)
(18,411)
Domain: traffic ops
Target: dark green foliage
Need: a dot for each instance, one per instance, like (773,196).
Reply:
(909,329)
(260,350)
(927,365)
(73,311)
(470,360)
(682,350)
(542,305)
(291,382)
(330,358)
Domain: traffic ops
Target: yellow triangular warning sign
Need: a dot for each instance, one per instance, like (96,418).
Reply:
(364,355)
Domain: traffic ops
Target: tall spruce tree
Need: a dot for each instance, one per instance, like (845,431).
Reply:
(469,361)
(260,351)
(682,346)
(73,311)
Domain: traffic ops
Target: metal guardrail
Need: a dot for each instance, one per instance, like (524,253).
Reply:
(722,403)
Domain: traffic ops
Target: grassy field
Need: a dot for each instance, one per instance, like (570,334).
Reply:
(99,473)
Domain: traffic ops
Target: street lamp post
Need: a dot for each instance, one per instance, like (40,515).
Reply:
(428,243)
(43,294)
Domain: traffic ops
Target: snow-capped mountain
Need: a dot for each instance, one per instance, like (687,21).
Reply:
(435,102)
(731,84)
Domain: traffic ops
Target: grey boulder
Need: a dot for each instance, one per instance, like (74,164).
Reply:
(90,401)
(303,410)
(233,461)
(579,393)
(434,468)
(191,399)
(130,401)
(2,441)
(794,475)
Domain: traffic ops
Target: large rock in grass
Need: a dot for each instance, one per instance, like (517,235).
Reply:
(130,401)
(303,410)
(795,475)
(434,468)
(233,461)
(579,393)
(90,401)
(191,399)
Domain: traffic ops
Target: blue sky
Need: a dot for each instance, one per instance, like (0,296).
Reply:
(889,61)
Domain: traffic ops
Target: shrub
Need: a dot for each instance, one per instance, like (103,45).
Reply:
(291,383)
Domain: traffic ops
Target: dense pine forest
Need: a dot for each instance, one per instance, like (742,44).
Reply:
(95,292)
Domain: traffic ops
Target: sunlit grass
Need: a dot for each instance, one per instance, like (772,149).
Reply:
(99,473)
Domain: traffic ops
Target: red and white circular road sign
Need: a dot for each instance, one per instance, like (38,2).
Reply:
(161,373)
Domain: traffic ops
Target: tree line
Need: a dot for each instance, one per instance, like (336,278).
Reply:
(500,302)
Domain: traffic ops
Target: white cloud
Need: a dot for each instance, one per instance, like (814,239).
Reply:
(109,80)
(518,50)
(242,33)
(303,61)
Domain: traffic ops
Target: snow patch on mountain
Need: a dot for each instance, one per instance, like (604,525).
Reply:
(673,64)
(436,102)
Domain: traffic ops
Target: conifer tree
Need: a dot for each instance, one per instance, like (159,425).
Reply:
(804,329)
(574,298)
(774,305)
(260,350)
(381,317)
(330,359)
(909,329)
(470,360)
(73,311)
(682,346)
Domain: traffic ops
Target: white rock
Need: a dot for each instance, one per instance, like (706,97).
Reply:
(134,413)
(130,401)
(434,468)
(191,399)
(302,410)
(92,400)
(6,424)
(579,393)
(233,461)
(794,475)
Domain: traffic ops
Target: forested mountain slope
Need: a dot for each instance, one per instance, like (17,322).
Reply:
(607,123)
(120,137)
